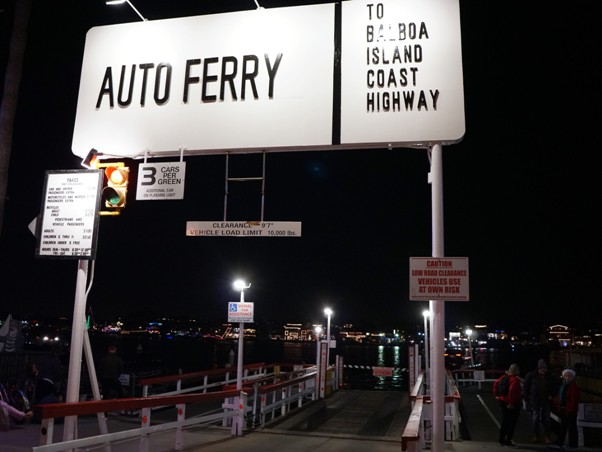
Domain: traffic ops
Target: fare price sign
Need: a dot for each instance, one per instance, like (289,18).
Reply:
(69,216)
(243,229)
(240,312)
(439,278)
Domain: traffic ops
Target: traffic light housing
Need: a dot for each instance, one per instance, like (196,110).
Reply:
(114,193)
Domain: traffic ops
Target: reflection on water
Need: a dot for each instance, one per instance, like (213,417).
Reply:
(394,356)
(167,356)
(156,354)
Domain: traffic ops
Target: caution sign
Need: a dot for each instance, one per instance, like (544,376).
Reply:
(439,278)
(161,181)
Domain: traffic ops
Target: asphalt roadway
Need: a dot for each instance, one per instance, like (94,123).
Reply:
(347,421)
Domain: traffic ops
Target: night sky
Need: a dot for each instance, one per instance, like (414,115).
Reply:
(521,191)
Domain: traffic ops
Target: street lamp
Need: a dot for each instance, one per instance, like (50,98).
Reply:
(469,335)
(119,2)
(426,313)
(318,331)
(240,285)
(328,313)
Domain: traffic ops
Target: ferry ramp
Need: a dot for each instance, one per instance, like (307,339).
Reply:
(347,421)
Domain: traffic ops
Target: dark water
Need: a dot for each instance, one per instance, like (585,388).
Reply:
(525,356)
(144,354)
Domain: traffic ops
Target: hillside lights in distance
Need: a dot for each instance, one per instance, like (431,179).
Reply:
(115,192)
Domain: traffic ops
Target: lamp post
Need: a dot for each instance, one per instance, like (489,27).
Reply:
(240,285)
(426,313)
(469,336)
(318,331)
(328,313)
(119,2)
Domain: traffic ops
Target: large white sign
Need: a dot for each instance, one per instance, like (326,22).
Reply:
(69,217)
(401,71)
(252,79)
(352,75)
(243,229)
(439,278)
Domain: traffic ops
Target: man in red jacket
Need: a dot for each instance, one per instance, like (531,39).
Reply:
(511,404)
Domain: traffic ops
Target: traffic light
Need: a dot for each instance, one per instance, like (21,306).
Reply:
(115,191)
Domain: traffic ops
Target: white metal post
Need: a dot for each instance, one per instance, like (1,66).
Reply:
(241,341)
(77,340)
(237,424)
(318,331)
(427,363)
(437,307)
(328,313)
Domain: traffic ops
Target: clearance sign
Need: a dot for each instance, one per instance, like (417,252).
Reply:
(439,278)
(352,74)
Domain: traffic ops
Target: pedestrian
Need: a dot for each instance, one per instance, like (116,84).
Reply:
(47,378)
(9,412)
(510,401)
(51,376)
(567,408)
(28,381)
(110,369)
(539,391)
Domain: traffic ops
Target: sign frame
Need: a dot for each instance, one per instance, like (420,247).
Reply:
(149,181)
(244,312)
(298,106)
(69,233)
(439,278)
(273,229)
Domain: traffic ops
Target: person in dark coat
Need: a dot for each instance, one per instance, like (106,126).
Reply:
(51,375)
(511,404)
(110,369)
(539,391)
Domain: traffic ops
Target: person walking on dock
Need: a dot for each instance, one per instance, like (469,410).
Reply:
(111,367)
(508,392)
(567,409)
(539,390)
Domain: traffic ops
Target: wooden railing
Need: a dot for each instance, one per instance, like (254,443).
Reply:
(262,396)
(50,412)
(417,430)
(211,379)
(412,439)
(470,376)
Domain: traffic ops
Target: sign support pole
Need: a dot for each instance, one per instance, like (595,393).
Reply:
(437,307)
(77,339)
(237,423)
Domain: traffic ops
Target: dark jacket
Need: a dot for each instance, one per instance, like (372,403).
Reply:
(539,389)
(111,366)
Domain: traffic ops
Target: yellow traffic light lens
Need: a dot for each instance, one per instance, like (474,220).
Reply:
(117,176)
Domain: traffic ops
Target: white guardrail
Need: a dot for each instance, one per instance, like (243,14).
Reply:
(264,396)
